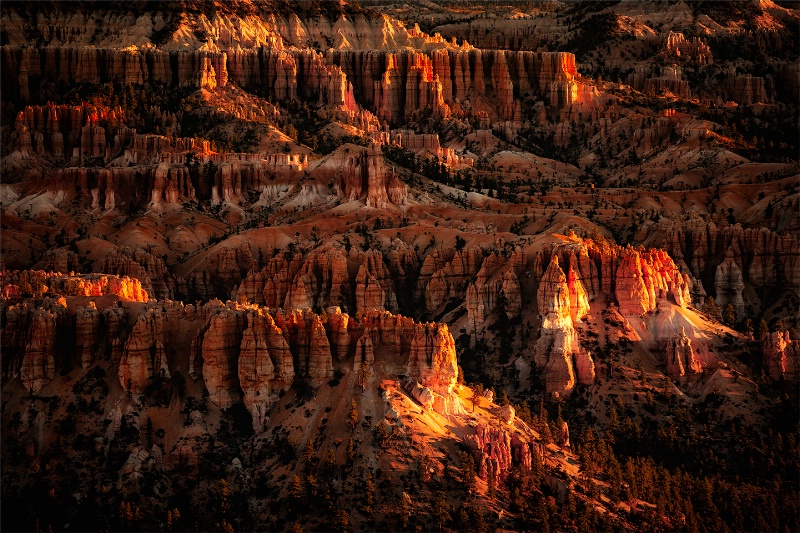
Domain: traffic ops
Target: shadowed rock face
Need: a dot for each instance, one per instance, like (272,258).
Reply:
(241,352)
(681,358)
(429,349)
(38,364)
(143,357)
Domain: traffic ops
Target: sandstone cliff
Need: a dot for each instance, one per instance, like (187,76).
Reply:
(733,259)
(143,357)
(681,356)
(39,364)
(21,283)
(781,356)
(497,451)
(557,351)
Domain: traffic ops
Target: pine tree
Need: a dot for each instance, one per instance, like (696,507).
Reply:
(524,412)
(125,513)
(382,434)
(729,315)
(296,489)
(748,327)
(712,309)
(369,492)
(352,417)
(441,509)
(537,468)
(308,456)
(613,420)
(311,485)
(424,467)
(504,398)
(224,527)
(331,462)
(405,514)
(224,502)
(477,392)
(463,519)
(542,426)
(763,330)
(342,522)
(468,470)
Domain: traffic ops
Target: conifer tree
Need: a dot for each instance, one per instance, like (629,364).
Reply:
(729,315)
(763,330)
(308,455)
(477,392)
(352,417)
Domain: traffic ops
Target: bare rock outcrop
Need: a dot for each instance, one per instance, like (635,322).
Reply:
(265,365)
(557,351)
(365,350)
(143,357)
(255,369)
(337,325)
(643,277)
(432,360)
(113,318)
(87,333)
(496,450)
(781,356)
(488,294)
(317,281)
(766,259)
(150,270)
(19,283)
(310,345)
(364,175)
(512,294)
(450,279)
(223,271)
(729,283)
(59,260)
(681,357)
(694,49)
(374,285)
(219,351)
(320,363)
(745,89)
(39,364)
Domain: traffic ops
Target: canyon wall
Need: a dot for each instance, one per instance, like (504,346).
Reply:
(240,352)
(735,264)
(393,85)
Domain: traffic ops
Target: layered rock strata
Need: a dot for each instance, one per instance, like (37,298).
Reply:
(16,284)
(497,450)
(781,356)
(681,357)
(557,351)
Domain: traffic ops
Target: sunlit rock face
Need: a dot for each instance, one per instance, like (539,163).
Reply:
(781,356)
(557,346)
